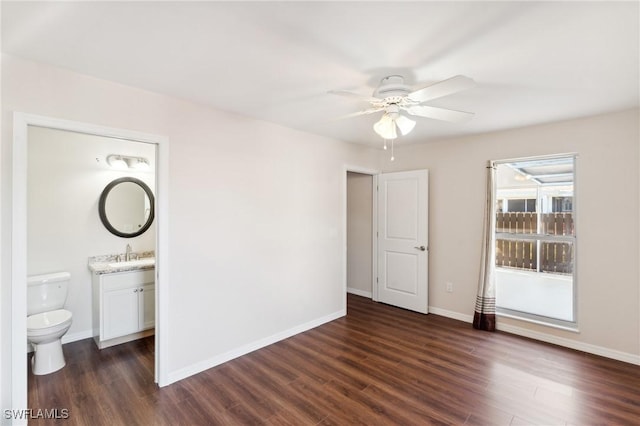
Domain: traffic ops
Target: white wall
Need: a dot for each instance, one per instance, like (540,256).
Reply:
(66,174)
(607,188)
(359,229)
(256,214)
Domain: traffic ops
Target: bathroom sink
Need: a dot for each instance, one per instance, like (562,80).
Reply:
(147,261)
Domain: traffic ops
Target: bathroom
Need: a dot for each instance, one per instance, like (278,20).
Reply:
(66,174)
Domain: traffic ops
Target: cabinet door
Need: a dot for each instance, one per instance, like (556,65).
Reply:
(120,313)
(147,305)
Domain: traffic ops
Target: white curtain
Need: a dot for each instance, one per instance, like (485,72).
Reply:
(484,317)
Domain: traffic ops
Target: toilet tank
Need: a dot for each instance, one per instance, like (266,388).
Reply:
(47,292)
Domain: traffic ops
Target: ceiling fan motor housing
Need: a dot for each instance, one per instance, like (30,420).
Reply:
(392,87)
(393,110)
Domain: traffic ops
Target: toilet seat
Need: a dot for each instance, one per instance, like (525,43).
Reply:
(48,322)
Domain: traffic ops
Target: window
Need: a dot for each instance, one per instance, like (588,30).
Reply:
(536,239)
(519,205)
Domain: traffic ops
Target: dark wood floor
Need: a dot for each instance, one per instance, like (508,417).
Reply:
(378,365)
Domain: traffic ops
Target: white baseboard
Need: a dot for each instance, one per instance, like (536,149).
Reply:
(572,344)
(74,337)
(206,364)
(450,314)
(548,338)
(359,292)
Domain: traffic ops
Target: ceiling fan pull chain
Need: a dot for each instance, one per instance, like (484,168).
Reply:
(385,144)
(392,157)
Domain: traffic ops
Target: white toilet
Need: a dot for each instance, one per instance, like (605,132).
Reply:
(47,322)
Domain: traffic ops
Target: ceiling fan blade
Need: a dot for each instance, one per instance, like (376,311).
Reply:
(363,112)
(443,88)
(358,96)
(440,113)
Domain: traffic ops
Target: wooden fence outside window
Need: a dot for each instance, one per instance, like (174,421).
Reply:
(554,256)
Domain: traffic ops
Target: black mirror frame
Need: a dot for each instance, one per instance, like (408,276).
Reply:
(103,201)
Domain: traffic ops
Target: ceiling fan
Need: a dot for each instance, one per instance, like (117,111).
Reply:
(394,97)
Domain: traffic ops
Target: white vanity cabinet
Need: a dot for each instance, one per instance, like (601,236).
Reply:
(123,306)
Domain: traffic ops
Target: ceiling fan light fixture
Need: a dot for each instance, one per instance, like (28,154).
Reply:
(386,127)
(405,124)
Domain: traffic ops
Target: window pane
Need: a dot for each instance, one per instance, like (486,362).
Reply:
(534,254)
(557,223)
(519,254)
(520,205)
(562,204)
(516,205)
(546,295)
(517,222)
(556,257)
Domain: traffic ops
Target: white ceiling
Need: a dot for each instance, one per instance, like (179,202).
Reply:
(275,61)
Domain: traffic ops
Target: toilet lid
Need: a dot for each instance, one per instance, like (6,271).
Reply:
(48,319)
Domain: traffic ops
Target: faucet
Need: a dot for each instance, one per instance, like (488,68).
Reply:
(128,253)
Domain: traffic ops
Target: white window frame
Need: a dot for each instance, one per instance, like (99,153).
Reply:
(535,318)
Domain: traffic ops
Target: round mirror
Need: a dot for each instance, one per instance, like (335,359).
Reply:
(126,207)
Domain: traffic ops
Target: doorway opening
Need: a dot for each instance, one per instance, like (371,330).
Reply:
(360,235)
(21,238)
(387,237)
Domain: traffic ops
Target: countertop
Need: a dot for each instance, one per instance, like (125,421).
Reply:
(108,264)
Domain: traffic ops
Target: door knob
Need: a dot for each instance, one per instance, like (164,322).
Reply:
(421,248)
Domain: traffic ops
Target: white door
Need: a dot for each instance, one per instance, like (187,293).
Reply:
(403,239)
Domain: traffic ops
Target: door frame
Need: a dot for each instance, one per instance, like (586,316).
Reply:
(374,226)
(21,122)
